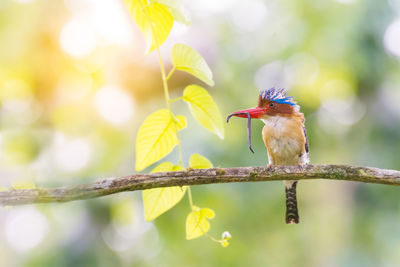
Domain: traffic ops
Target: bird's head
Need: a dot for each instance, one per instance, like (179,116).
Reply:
(271,102)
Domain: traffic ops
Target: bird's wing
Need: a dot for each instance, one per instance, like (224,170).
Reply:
(304,158)
(305,135)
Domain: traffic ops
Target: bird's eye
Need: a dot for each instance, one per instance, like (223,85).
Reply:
(271,104)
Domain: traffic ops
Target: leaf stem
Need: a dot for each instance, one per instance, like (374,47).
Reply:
(180,162)
(175,99)
(164,78)
(189,192)
(168,101)
(211,237)
(165,84)
(170,73)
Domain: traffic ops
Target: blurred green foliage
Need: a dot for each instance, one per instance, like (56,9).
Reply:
(75,86)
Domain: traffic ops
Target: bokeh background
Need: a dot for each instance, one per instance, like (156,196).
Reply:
(75,85)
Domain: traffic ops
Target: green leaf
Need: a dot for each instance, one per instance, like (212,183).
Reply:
(197,161)
(157,137)
(204,109)
(187,59)
(177,10)
(154,20)
(156,201)
(197,222)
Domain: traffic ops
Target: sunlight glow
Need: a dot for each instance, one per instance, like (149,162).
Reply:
(72,155)
(73,226)
(25,228)
(109,21)
(301,69)
(389,96)
(346,112)
(211,6)
(249,15)
(134,238)
(16,95)
(338,115)
(271,75)
(336,89)
(23,1)
(18,104)
(73,86)
(77,38)
(391,39)
(346,1)
(395,4)
(114,105)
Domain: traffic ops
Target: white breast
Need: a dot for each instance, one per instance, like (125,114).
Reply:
(277,123)
(286,150)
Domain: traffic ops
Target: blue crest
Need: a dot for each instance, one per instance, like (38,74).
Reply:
(278,96)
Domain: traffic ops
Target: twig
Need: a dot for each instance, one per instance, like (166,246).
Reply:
(135,182)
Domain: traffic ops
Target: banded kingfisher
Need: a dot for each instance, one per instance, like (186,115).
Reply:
(284,136)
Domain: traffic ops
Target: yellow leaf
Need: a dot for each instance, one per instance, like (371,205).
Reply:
(187,59)
(197,161)
(23,185)
(156,138)
(154,20)
(181,122)
(3,188)
(177,11)
(197,222)
(177,168)
(164,167)
(204,109)
(159,200)
(167,167)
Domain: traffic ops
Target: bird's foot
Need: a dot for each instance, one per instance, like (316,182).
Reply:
(302,167)
(269,167)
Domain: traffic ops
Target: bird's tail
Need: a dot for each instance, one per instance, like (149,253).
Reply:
(292,214)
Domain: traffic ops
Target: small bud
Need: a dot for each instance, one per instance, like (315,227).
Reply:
(195,208)
(224,243)
(226,235)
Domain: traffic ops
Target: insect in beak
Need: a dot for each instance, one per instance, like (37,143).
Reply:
(253,113)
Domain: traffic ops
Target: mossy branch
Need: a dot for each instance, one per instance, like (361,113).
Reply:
(135,182)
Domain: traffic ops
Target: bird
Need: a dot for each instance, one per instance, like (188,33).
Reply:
(284,135)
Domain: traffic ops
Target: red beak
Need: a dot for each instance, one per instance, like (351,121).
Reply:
(253,113)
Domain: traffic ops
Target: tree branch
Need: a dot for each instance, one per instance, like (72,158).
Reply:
(135,182)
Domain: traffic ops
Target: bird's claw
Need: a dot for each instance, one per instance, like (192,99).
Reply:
(269,167)
(301,167)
